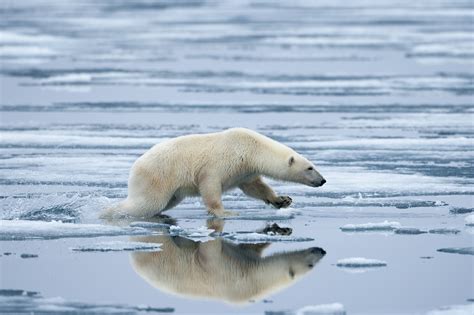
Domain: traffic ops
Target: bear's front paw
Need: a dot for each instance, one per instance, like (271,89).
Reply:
(282,202)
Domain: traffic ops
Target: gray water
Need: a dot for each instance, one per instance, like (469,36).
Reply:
(379,95)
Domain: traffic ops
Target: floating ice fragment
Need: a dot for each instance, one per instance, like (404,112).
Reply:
(409,231)
(460,210)
(28,302)
(360,262)
(444,231)
(28,256)
(22,230)
(381,226)
(469,220)
(201,234)
(118,246)
(290,212)
(458,250)
(322,309)
(149,225)
(253,237)
(466,309)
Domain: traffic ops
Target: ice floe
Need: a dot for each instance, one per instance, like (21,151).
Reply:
(380,226)
(322,309)
(469,220)
(444,231)
(201,234)
(254,237)
(119,246)
(461,210)
(29,256)
(360,262)
(465,309)
(24,230)
(30,302)
(458,250)
(409,231)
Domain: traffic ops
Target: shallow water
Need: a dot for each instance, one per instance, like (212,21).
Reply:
(379,96)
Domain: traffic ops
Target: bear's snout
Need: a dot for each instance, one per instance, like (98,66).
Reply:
(319,183)
(318,251)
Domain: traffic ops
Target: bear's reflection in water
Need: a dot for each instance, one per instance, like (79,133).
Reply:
(218,269)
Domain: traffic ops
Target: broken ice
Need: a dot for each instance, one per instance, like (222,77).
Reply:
(24,230)
(409,231)
(360,262)
(458,250)
(253,237)
(117,246)
(381,226)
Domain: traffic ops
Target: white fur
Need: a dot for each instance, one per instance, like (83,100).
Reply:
(208,165)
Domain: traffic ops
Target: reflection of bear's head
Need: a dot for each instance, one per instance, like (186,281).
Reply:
(219,269)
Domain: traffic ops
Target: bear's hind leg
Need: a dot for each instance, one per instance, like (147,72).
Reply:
(258,189)
(174,201)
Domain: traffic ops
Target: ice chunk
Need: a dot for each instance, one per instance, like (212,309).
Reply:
(409,231)
(28,302)
(28,256)
(322,309)
(381,226)
(466,309)
(444,231)
(201,234)
(149,225)
(253,237)
(460,210)
(22,230)
(469,220)
(458,250)
(118,246)
(360,262)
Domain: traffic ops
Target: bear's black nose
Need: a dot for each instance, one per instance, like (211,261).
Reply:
(318,251)
(323,182)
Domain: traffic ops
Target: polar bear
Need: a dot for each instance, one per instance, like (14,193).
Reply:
(219,269)
(208,165)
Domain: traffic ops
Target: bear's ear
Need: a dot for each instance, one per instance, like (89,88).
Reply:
(291,161)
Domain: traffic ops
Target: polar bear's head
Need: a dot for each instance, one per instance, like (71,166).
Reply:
(302,171)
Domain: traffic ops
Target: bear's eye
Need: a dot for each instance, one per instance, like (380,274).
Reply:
(292,273)
(310,168)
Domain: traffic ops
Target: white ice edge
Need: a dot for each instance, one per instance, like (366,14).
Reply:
(469,220)
(322,309)
(360,262)
(117,246)
(463,309)
(23,230)
(380,226)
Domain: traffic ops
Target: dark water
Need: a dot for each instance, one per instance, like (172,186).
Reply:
(379,95)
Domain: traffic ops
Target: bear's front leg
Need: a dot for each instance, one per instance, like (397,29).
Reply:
(258,189)
(211,193)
